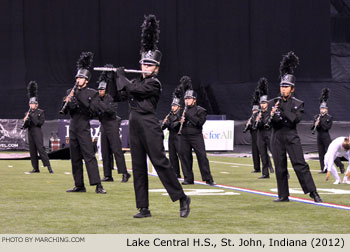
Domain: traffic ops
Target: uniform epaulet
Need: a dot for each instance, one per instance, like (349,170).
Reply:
(153,78)
(297,100)
(156,79)
(201,108)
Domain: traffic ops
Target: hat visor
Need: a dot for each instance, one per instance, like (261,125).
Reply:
(82,76)
(286,84)
(149,62)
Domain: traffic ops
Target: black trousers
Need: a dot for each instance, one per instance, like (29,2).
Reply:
(255,150)
(81,147)
(323,141)
(263,146)
(111,145)
(174,152)
(195,142)
(283,141)
(35,138)
(146,138)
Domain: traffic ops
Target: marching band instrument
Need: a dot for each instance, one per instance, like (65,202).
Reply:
(114,69)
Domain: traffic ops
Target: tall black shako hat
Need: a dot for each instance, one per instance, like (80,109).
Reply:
(288,64)
(149,39)
(177,95)
(84,64)
(186,84)
(324,98)
(263,88)
(105,78)
(32,89)
(256,99)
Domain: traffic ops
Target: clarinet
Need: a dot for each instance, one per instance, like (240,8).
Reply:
(255,124)
(317,122)
(65,104)
(166,118)
(248,123)
(269,121)
(27,114)
(182,123)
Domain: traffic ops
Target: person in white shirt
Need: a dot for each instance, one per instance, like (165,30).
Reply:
(340,147)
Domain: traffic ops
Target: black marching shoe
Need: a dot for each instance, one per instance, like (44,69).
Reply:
(187,183)
(77,189)
(264,177)
(255,171)
(210,182)
(321,172)
(125,177)
(185,206)
(50,169)
(99,189)
(143,213)
(35,171)
(282,199)
(316,197)
(107,179)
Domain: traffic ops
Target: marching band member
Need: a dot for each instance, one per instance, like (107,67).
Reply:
(146,135)
(263,133)
(287,113)
(254,132)
(172,123)
(33,121)
(78,104)
(106,109)
(322,124)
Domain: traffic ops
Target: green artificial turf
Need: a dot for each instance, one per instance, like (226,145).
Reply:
(38,204)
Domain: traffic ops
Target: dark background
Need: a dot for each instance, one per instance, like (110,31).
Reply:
(225,46)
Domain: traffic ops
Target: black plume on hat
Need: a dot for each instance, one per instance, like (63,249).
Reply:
(263,86)
(324,95)
(186,83)
(32,89)
(85,60)
(150,33)
(256,97)
(106,76)
(178,92)
(288,64)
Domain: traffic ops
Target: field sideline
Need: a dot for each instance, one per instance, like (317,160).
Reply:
(38,203)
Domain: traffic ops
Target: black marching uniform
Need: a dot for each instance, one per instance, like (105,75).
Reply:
(173,125)
(146,139)
(285,140)
(110,137)
(254,143)
(255,149)
(192,138)
(35,137)
(80,143)
(263,143)
(324,139)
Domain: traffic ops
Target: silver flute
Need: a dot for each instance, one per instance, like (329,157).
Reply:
(114,69)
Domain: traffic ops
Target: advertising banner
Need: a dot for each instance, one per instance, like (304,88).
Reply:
(12,136)
(63,132)
(218,135)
